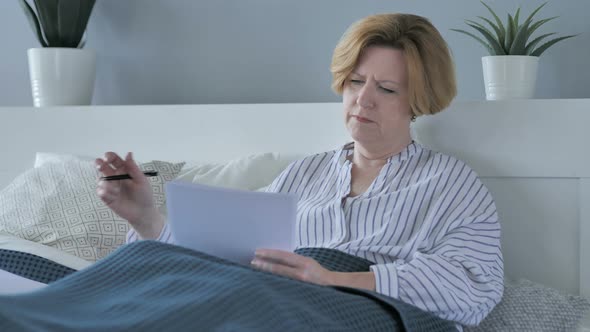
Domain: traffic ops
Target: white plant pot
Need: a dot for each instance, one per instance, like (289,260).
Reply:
(509,76)
(61,76)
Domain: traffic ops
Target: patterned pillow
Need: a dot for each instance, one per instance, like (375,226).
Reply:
(56,205)
(528,306)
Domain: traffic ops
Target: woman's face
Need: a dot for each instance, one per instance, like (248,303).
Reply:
(375,97)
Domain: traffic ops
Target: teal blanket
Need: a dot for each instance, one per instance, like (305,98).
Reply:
(152,286)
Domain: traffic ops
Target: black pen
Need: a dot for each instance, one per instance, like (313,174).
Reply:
(126,176)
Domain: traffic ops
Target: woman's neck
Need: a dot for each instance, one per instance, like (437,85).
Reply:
(371,156)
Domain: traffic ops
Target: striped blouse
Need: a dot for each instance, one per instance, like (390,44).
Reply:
(427,222)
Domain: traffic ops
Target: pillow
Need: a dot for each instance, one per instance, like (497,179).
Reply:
(56,205)
(42,158)
(528,306)
(10,242)
(251,172)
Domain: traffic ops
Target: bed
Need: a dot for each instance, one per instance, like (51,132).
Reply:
(532,155)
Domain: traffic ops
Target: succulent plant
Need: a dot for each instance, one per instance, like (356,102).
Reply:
(513,37)
(59,23)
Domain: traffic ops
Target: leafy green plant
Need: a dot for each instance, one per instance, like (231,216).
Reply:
(59,23)
(513,37)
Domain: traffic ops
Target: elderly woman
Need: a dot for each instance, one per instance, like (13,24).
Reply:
(402,235)
(423,219)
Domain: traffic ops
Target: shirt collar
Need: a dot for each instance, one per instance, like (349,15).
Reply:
(411,149)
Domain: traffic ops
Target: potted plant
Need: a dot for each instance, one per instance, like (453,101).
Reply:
(61,72)
(510,71)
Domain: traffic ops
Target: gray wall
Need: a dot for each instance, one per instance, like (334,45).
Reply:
(258,51)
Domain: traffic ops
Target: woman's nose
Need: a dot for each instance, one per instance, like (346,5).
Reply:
(365,99)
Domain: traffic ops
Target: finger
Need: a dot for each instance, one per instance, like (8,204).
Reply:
(114,160)
(106,196)
(113,187)
(280,256)
(279,269)
(133,169)
(104,167)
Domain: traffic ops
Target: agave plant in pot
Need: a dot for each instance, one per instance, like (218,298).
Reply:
(510,71)
(61,72)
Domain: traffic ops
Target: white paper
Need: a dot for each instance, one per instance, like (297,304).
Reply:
(14,284)
(230,223)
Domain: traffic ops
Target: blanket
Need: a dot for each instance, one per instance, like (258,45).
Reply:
(152,286)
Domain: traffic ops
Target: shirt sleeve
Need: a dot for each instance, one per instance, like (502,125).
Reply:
(460,278)
(165,235)
(278,184)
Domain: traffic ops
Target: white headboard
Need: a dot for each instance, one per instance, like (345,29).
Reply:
(532,154)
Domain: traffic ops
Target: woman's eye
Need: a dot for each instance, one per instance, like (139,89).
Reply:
(357,82)
(387,90)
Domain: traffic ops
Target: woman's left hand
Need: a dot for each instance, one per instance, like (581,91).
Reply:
(291,265)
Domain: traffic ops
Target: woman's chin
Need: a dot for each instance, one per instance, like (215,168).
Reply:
(363,137)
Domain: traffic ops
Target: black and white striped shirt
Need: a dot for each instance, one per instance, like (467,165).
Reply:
(427,222)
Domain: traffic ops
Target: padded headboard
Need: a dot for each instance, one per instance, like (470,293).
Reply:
(532,154)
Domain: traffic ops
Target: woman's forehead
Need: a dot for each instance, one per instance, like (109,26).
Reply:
(383,63)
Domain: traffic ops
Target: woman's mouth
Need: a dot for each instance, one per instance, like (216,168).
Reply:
(361,119)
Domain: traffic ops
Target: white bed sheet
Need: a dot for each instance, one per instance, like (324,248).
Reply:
(10,242)
(11,284)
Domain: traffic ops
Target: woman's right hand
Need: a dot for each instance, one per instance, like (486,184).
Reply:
(131,199)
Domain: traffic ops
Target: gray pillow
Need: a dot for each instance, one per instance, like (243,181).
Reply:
(528,306)
(56,205)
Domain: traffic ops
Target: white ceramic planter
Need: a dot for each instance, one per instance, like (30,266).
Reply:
(62,76)
(509,76)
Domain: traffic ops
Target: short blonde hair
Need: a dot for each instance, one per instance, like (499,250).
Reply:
(431,73)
